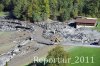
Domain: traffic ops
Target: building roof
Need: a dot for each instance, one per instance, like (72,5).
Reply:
(79,20)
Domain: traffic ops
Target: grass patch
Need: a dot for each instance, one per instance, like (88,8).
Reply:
(85,52)
(97,28)
(98,25)
(98,20)
(3,13)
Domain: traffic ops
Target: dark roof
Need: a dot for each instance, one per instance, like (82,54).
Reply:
(79,20)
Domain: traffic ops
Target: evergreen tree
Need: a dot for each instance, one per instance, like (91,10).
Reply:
(45,9)
(64,9)
(20,9)
(6,4)
(1,7)
(53,9)
(34,10)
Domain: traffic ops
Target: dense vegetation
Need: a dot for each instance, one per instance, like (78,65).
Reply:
(37,10)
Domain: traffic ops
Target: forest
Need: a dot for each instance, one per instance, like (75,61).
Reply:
(41,10)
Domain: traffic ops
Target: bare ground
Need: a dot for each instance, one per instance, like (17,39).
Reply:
(22,60)
(8,39)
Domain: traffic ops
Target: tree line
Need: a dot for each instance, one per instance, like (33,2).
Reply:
(41,10)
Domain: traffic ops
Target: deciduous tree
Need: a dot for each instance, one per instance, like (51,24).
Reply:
(60,53)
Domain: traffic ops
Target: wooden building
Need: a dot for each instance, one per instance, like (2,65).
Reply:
(85,22)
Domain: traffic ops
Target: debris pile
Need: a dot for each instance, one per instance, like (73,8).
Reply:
(69,34)
(19,49)
(12,25)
